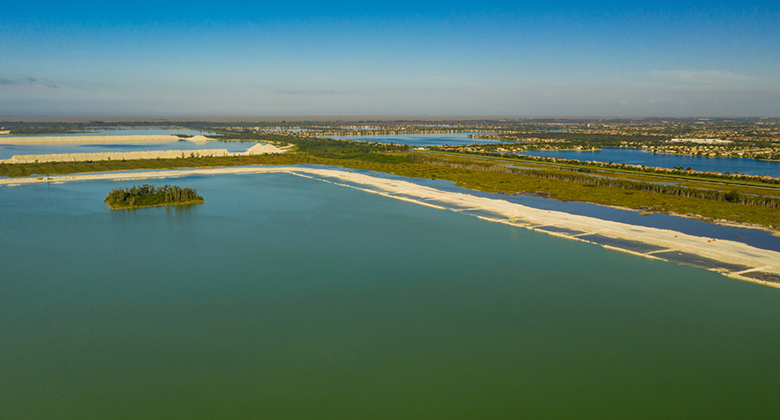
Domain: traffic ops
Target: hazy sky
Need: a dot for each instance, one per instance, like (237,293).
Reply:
(404,58)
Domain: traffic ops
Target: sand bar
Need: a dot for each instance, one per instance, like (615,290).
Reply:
(733,259)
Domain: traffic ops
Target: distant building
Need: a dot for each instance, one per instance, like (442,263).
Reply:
(701,141)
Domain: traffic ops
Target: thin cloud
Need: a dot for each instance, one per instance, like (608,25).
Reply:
(709,78)
(32,81)
(307,92)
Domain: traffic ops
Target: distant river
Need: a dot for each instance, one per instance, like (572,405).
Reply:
(641,157)
(288,298)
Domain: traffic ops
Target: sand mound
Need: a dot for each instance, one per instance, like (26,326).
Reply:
(262,149)
(199,139)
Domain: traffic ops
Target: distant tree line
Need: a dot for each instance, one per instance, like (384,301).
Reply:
(330,148)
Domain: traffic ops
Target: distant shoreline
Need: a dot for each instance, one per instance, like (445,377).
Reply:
(733,259)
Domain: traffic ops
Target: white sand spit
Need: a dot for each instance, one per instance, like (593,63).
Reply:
(733,259)
(257,149)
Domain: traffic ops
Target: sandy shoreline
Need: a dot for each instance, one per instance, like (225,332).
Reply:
(733,259)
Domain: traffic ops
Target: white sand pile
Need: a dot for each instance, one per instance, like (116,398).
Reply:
(199,139)
(262,149)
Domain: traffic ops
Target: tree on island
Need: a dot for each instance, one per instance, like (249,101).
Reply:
(148,196)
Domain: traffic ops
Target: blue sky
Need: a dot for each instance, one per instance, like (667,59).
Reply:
(402,58)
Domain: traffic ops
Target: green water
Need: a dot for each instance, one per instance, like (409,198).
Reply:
(289,298)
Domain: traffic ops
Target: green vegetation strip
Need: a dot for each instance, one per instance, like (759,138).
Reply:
(673,173)
(745,187)
(732,196)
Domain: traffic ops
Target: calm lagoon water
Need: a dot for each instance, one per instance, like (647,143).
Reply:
(284,297)
(641,157)
(423,139)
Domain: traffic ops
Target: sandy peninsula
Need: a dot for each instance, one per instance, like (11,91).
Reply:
(257,149)
(730,258)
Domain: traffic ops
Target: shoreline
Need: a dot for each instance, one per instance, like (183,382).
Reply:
(732,259)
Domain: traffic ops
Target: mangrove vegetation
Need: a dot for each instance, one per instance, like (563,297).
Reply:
(150,196)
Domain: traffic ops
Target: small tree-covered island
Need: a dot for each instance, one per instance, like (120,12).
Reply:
(150,196)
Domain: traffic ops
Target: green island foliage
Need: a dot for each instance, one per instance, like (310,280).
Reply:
(150,196)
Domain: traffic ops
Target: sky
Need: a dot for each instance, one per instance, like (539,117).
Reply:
(423,58)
